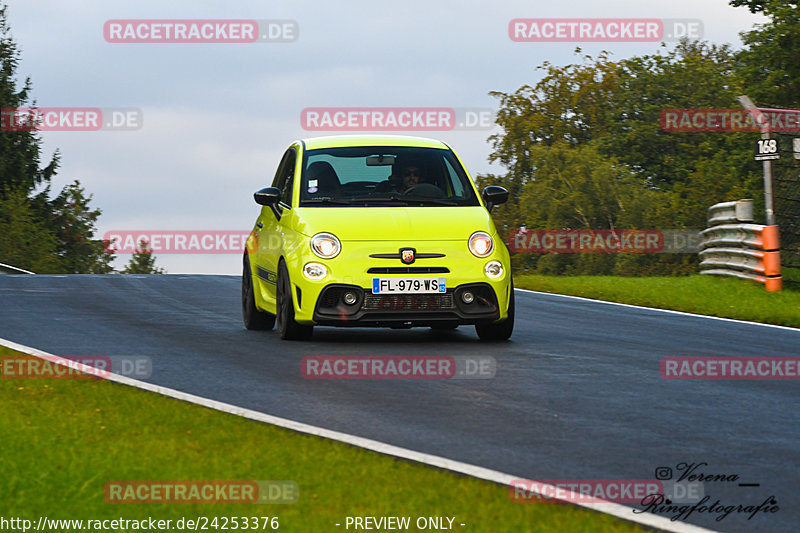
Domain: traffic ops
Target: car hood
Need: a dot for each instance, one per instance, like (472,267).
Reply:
(395,223)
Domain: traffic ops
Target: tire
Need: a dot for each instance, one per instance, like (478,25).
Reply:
(288,329)
(253,318)
(499,331)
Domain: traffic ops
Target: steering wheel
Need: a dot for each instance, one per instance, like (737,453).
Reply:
(425,190)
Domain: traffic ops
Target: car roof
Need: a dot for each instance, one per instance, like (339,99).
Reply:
(345,141)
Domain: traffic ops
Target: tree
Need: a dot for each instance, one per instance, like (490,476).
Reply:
(570,104)
(579,188)
(73,224)
(142,261)
(584,148)
(619,104)
(769,62)
(692,75)
(26,242)
(20,151)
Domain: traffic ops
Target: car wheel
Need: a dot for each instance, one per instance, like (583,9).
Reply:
(499,331)
(253,318)
(287,327)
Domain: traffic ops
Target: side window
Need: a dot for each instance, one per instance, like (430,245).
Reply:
(288,185)
(284,176)
(454,181)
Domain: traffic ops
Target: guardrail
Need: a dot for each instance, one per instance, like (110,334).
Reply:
(732,247)
(752,235)
(8,269)
(738,211)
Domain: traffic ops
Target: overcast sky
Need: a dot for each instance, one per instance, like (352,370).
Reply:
(217,117)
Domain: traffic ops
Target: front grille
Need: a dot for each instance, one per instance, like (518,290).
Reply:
(408,302)
(330,297)
(398,256)
(408,270)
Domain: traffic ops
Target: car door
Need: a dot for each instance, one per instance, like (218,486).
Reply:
(270,229)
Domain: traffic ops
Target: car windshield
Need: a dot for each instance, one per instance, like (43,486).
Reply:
(384,176)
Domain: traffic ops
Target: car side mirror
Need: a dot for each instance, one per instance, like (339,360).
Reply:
(269,196)
(494,195)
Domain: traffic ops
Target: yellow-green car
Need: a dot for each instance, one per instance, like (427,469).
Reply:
(376,231)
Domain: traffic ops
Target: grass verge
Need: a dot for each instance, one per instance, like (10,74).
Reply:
(705,295)
(64,439)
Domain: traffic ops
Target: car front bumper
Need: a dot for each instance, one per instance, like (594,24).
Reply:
(321,301)
(405,310)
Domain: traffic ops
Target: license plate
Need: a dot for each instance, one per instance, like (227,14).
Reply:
(408,285)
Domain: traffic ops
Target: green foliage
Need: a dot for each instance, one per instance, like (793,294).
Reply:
(584,148)
(693,75)
(578,188)
(769,62)
(570,104)
(575,188)
(25,242)
(73,224)
(703,294)
(142,261)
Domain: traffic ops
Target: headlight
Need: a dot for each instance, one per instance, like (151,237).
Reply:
(314,271)
(481,244)
(325,245)
(493,269)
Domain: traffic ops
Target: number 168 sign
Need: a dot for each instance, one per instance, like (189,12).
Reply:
(766,149)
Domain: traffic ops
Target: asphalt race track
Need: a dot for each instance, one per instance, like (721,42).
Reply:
(577,393)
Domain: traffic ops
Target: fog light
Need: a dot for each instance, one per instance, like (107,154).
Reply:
(350,298)
(467,297)
(493,269)
(315,271)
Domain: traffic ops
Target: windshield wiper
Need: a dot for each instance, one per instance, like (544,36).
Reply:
(329,201)
(382,199)
(437,201)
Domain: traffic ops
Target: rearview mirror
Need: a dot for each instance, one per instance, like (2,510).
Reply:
(380,160)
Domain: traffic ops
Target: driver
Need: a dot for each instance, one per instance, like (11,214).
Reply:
(407,174)
(410,175)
